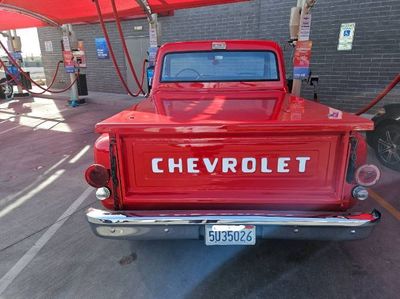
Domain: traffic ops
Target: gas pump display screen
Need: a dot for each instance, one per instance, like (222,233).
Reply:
(220,66)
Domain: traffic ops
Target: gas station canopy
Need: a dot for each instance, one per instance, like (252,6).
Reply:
(16,14)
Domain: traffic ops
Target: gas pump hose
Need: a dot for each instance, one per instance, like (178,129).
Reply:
(27,76)
(125,48)
(110,48)
(380,96)
(52,80)
(55,74)
(34,93)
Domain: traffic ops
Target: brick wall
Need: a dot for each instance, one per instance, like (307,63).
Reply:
(50,59)
(348,79)
(100,73)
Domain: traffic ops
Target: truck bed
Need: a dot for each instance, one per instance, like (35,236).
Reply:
(227,150)
(225,111)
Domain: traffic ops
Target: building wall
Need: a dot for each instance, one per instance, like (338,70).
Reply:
(100,73)
(348,79)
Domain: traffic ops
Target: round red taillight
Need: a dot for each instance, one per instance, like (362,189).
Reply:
(97,175)
(367,175)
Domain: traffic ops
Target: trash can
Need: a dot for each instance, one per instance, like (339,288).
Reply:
(82,85)
(26,83)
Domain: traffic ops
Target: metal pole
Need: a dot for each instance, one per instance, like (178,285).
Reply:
(146,8)
(305,5)
(74,97)
(9,41)
(154,34)
(11,35)
(154,31)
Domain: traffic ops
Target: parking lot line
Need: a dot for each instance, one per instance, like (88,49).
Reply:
(35,183)
(79,155)
(8,130)
(28,195)
(10,276)
(11,118)
(379,199)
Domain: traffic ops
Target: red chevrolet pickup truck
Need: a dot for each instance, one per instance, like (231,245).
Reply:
(220,150)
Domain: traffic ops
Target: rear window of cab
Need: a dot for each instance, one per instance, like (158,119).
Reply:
(220,66)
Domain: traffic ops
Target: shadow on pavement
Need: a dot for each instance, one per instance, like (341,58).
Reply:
(250,273)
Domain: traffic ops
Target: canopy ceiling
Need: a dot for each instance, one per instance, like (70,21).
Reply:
(16,14)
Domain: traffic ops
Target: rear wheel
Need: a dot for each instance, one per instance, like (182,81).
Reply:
(387,145)
(6,89)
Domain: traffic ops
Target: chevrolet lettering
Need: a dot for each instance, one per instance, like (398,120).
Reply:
(221,151)
(229,165)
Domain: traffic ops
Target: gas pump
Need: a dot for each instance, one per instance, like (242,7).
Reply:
(79,55)
(14,44)
(15,75)
(74,60)
(13,68)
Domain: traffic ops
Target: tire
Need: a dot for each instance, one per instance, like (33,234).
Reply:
(6,90)
(387,145)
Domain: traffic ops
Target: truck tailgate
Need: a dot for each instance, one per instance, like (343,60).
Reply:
(234,171)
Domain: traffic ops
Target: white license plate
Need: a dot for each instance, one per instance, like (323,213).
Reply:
(230,235)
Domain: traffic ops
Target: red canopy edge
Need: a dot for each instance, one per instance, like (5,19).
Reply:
(15,14)
(14,20)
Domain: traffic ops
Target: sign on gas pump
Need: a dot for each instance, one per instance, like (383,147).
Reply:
(69,64)
(301,60)
(65,43)
(305,27)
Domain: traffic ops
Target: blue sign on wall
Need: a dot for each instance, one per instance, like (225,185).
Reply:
(102,48)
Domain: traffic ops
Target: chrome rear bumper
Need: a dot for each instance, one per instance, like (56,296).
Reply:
(155,225)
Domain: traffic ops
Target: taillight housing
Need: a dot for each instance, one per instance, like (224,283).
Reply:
(367,175)
(97,175)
